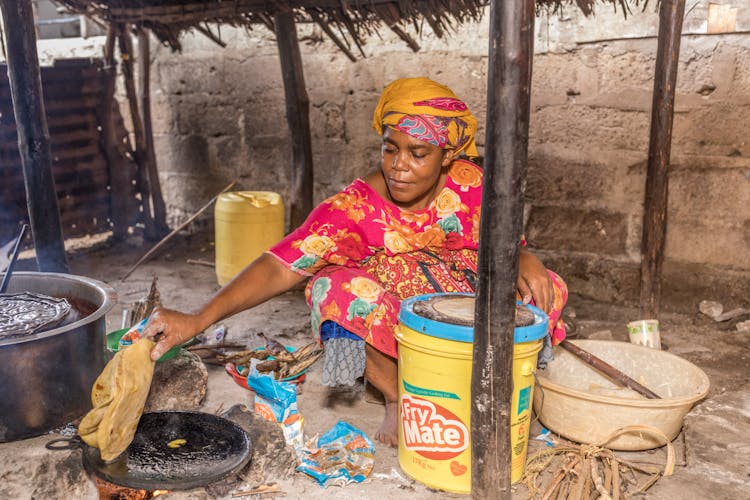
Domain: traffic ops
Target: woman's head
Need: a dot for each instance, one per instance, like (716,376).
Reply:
(424,127)
(412,169)
(427,111)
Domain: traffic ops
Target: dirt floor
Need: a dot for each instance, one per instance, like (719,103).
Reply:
(712,451)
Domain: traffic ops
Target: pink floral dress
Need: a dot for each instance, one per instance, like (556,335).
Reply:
(366,255)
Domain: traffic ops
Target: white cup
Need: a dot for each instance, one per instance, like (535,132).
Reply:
(645,332)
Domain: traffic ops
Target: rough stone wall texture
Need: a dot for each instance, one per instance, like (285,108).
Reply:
(591,104)
(219,115)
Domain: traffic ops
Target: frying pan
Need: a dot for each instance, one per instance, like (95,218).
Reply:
(214,449)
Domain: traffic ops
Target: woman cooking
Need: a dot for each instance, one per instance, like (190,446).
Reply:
(409,228)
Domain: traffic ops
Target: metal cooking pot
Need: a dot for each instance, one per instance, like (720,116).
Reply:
(211,448)
(46,378)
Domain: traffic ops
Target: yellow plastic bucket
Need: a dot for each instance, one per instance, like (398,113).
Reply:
(434,368)
(247,224)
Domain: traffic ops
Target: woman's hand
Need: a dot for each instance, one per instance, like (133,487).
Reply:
(534,281)
(173,328)
(264,278)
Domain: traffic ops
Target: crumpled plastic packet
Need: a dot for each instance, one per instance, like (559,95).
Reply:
(276,401)
(546,437)
(341,456)
(134,334)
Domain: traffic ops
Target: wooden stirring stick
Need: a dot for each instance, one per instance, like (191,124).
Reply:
(608,370)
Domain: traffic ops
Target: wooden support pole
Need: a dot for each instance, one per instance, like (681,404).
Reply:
(33,135)
(144,75)
(119,180)
(508,102)
(139,152)
(671,14)
(297,116)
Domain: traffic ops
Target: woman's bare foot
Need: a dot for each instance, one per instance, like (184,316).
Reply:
(373,394)
(388,432)
(382,372)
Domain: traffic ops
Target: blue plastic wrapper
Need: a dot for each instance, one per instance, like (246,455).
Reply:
(341,456)
(277,401)
(281,397)
(546,436)
(133,334)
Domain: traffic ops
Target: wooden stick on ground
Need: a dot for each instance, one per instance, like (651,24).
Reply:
(609,370)
(153,250)
(200,262)
(262,489)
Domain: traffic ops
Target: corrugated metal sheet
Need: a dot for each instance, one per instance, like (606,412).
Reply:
(72,92)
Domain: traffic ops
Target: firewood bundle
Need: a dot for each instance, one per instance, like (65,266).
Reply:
(590,471)
(145,306)
(274,357)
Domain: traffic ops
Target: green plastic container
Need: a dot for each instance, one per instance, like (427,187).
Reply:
(113,344)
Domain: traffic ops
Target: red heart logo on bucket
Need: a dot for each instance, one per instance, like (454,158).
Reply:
(457,469)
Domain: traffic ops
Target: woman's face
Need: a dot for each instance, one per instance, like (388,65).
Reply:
(412,169)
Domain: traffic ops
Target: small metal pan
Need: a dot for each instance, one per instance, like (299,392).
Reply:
(214,448)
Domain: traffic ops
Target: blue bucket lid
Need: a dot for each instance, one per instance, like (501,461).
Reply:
(460,333)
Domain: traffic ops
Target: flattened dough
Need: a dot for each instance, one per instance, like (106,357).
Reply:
(118,397)
(101,397)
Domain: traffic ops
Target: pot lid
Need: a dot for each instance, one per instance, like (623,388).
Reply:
(27,313)
(450,316)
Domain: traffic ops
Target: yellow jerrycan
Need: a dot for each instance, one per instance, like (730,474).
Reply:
(247,224)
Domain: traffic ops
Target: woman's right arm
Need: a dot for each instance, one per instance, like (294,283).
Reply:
(263,279)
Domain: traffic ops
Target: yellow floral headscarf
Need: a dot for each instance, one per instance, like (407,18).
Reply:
(427,111)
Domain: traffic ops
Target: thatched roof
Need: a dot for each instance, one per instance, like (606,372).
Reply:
(345,21)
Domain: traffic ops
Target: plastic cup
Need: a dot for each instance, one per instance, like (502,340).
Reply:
(645,332)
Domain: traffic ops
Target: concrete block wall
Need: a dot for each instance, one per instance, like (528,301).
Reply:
(219,115)
(591,107)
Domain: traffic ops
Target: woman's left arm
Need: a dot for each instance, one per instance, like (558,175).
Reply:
(534,282)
